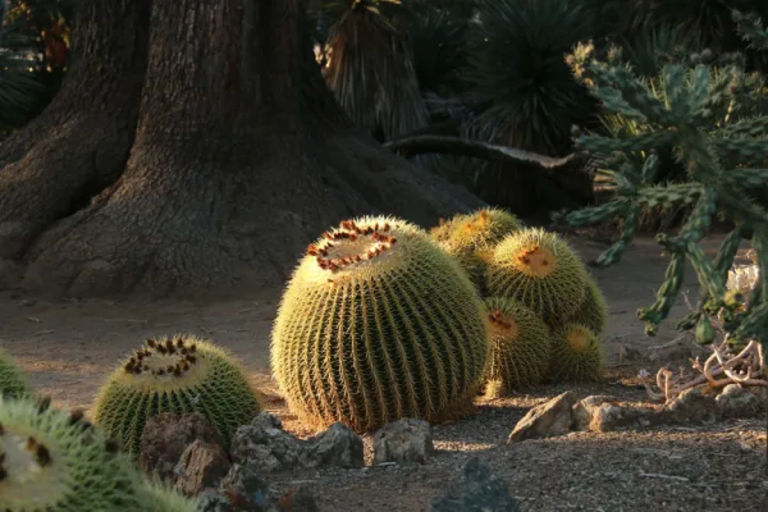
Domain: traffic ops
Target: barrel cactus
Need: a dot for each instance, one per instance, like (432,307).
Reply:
(177,375)
(520,347)
(470,238)
(13,383)
(376,324)
(539,269)
(593,312)
(577,355)
(50,460)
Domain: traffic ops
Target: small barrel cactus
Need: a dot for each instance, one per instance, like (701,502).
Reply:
(175,375)
(377,324)
(539,269)
(577,355)
(13,383)
(593,312)
(520,347)
(470,238)
(51,460)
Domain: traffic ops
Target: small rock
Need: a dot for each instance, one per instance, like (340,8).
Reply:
(211,501)
(202,465)
(298,500)
(477,490)
(337,446)
(550,419)
(736,402)
(245,490)
(165,438)
(601,413)
(403,441)
(690,406)
(582,411)
(265,447)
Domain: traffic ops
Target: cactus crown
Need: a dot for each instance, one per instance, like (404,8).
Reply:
(164,365)
(578,338)
(501,322)
(707,115)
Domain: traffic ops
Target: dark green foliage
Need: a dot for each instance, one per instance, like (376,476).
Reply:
(725,158)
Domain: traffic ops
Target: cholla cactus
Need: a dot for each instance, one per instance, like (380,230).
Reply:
(701,112)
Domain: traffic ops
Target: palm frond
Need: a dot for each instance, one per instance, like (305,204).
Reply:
(369,68)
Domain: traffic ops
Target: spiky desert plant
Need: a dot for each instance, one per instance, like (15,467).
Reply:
(159,497)
(13,382)
(539,269)
(177,374)
(376,324)
(471,238)
(520,347)
(593,311)
(577,355)
(726,164)
(52,460)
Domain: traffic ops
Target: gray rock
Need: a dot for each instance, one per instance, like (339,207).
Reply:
(245,490)
(477,490)
(550,419)
(338,446)
(737,402)
(403,441)
(265,447)
(690,406)
(202,465)
(212,501)
(601,413)
(165,438)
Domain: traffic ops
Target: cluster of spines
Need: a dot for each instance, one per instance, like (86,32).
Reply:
(137,365)
(525,256)
(496,317)
(349,230)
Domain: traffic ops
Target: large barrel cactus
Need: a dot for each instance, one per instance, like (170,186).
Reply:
(13,383)
(377,324)
(51,460)
(593,311)
(176,375)
(520,347)
(539,269)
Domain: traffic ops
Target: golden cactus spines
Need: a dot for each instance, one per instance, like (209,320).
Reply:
(593,312)
(577,355)
(376,324)
(176,374)
(521,344)
(538,269)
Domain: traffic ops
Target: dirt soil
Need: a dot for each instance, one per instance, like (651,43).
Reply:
(68,347)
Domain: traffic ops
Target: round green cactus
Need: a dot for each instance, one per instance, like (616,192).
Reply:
(593,312)
(158,497)
(13,383)
(470,238)
(540,270)
(51,460)
(378,323)
(175,375)
(577,355)
(520,347)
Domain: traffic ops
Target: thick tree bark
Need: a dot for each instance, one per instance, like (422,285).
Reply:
(241,157)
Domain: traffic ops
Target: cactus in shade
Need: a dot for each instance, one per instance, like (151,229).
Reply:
(708,116)
(593,312)
(378,323)
(52,460)
(520,347)
(179,374)
(576,356)
(13,383)
(540,270)
(471,238)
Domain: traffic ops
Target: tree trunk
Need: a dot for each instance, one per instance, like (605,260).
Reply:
(241,157)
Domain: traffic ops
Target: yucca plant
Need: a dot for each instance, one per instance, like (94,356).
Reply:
(368,64)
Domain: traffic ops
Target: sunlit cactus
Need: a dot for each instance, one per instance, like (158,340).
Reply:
(707,116)
(540,270)
(177,374)
(577,355)
(520,347)
(593,312)
(378,323)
